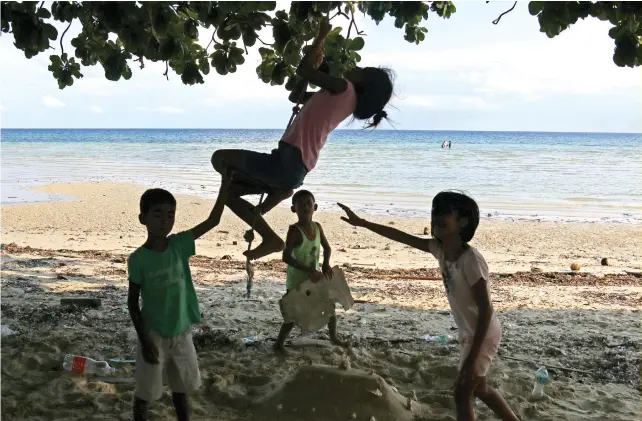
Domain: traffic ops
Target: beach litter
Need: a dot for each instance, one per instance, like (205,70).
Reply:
(437,338)
(6,331)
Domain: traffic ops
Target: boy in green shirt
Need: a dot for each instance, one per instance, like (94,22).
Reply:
(159,271)
(302,250)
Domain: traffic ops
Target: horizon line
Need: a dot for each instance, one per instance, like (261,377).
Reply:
(338,130)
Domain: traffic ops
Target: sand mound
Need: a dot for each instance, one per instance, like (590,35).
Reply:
(320,392)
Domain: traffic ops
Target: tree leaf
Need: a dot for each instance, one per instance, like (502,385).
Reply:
(535,7)
(356,44)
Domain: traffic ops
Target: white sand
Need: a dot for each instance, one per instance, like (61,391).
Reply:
(582,322)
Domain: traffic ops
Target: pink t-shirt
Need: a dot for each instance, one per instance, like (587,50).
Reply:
(459,277)
(316,120)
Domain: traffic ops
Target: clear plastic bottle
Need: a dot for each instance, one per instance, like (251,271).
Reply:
(437,338)
(84,365)
(541,378)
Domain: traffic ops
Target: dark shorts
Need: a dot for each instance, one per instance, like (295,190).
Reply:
(282,169)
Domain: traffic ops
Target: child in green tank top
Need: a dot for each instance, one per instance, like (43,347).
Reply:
(302,251)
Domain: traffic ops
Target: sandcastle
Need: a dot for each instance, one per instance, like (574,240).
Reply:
(320,393)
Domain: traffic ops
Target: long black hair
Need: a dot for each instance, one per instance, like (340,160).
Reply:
(373,93)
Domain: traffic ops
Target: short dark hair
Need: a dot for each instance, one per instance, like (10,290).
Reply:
(300,195)
(153,197)
(449,201)
(373,93)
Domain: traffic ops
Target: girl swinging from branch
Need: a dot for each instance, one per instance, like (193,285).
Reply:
(361,92)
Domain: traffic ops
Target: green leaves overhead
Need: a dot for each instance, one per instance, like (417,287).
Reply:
(115,35)
(625,16)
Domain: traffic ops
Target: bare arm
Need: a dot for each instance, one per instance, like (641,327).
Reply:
(299,94)
(293,240)
(327,251)
(423,244)
(134,311)
(308,71)
(215,216)
(482,299)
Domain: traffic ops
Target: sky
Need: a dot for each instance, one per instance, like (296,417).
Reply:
(467,75)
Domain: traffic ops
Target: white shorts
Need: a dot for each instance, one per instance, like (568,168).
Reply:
(177,365)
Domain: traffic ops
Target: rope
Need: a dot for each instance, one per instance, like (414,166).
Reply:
(249,235)
(249,268)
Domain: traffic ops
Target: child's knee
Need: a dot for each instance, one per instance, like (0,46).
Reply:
(483,392)
(218,161)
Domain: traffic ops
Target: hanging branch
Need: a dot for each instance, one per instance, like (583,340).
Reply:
(496,21)
(140,59)
(166,74)
(62,49)
(352,22)
(264,43)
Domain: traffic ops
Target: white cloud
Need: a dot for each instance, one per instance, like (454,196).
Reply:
(3,108)
(52,102)
(577,62)
(166,109)
(96,109)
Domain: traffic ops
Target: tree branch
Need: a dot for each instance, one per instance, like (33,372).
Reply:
(40,7)
(352,22)
(496,21)
(166,74)
(62,49)
(264,43)
(340,13)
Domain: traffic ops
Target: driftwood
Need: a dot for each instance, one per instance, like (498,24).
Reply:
(411,278)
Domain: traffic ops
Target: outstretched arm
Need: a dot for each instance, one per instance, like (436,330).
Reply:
(308,67)
(215,216)
(423,244)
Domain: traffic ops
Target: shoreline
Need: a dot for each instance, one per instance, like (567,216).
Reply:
(36,193)
(103,216)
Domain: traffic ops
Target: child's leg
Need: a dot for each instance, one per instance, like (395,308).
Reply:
(149,379)
(180,406)
(464,402)
(140,409)
(334,338)
(279,345)
(182,372)
(494,400)
(271,243)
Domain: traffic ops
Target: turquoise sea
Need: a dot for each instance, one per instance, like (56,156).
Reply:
(547,176)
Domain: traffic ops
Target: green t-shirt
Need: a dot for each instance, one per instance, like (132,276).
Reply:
(169,300)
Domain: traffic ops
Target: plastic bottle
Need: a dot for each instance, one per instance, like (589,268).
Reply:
(541,378)
(437,338)
(84,365)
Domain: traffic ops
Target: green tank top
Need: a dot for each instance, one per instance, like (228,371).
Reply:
(308,254)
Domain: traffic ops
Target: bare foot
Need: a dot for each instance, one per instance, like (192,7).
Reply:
(338,342)
(268,246)
(280,350)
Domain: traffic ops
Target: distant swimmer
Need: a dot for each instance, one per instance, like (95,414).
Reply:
(449,144)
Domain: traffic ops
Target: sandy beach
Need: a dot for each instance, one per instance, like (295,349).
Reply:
(584,326)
